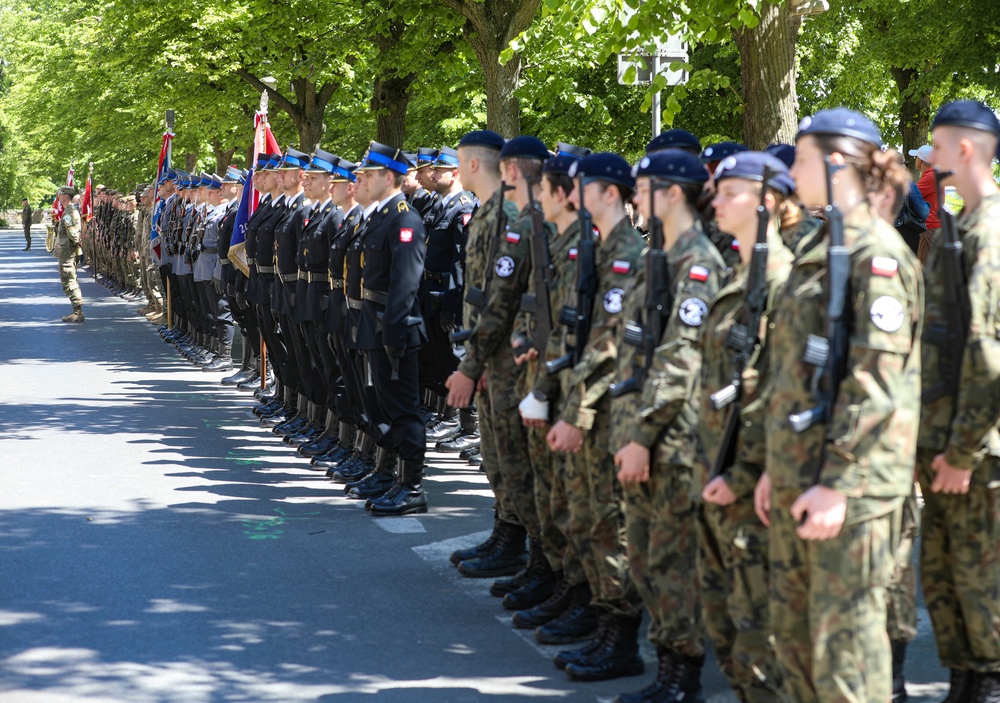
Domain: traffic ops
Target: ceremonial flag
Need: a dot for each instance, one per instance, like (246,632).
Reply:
(263,143)
(57,208)
(87,206)
(163,165)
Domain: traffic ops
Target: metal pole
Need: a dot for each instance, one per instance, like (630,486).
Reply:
(655,64)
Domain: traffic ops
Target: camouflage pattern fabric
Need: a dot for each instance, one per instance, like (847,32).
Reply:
(901,592)
(67,249)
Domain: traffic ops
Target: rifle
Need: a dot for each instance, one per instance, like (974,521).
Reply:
(580,317)
(659,301)
(950,338)
(538,304)
(829,354)
(744,337)
(477,297)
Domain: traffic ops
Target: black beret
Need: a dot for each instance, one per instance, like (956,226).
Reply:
(674,139)
(673,165)
(483,137)
(839,121)
(604,166)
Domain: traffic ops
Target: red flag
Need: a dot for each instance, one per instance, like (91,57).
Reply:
(57,209)
(162,165)
(263,143)
(87,206)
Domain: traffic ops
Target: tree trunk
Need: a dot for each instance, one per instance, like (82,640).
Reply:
(190,162)
(390,97)
(503,112)
(914,111)
(222,157)
(767,75)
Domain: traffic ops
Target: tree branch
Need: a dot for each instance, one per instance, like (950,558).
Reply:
(272,95)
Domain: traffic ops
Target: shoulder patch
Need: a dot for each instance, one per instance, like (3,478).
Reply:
(613,300)
(464,199)
(620,266)
(572,254)
(698,273)
(465,218)
(884,266)
(402,206)
(513,237)
(693,311)
(887,313)
(504,267)
(405,235)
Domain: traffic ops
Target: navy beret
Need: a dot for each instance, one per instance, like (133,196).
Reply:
(483,137)
(604,166)
(673,165)
(784,152)
(750,165)
(674,139)
(560,163)
(967,113)
(717,152)
(572,150)
(525,147)
(839,121)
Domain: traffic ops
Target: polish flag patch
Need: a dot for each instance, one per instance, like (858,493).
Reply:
(884,266)
(406,235)
(735,246)
(513,237)
(698,273)
(621,266)
(465,218)
(572,254)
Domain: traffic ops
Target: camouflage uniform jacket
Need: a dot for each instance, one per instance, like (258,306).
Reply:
(511,270)
(966,427)
(68,232)
(726,244)
(667,406)
(871,438)
(562,293)
(716,373)
(617,259)
(794,235)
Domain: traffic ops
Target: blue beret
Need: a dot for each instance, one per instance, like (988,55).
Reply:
(672,164)
(717,152)
(572,150)
(525,147)
(967,113)
(484,138)
(381,156)
(750,165)
(674,139)
(560,163)
(447,158)
(604,166)
(784,152)
(841,122)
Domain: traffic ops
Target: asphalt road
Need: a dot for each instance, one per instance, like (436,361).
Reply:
(158,546)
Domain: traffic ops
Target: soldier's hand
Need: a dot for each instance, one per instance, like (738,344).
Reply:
(564,437)
(718,492)
(483,383)
(632,461)
(762,499)
(448,321)
(521,358)
(460,388)
(820,512)
(949,479)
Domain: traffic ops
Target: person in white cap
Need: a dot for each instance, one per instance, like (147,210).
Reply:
(928,189)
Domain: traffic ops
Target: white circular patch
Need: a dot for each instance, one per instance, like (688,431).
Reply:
(644,163)
(693,311)
(505,266)
(571,171)
(887,313)
(613,300)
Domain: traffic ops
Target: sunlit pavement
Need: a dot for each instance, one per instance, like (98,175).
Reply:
(157,544)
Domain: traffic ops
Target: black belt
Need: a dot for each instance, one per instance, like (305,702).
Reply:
(375,296)
(250,261)
(303,275)
(353,304)
(436,276)
(226,262)
(209,250)
(312,277)
(289,277)
(336,283)
(265,269)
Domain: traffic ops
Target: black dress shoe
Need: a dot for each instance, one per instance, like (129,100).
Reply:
(401,500)
(476,460)
(459,444)
(374,485)
(354,468)
(469,453)
(251,383)
(444,431)
(333,458)
(320,445)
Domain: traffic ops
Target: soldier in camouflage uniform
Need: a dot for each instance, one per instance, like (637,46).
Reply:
(833,492)
(726,244)
(732,568)
(958,460)
(487,353)
(604,185)
(67,249)
(655,430)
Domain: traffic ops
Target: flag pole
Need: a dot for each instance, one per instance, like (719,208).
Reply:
(90,223)
(169,119)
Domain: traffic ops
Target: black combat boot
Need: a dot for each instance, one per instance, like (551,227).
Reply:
(575,624)
(502,587)
(506,557)
(985,687)
(898,678)
(539,584)
(460,555)
(678,680)
(346,436)
(359,465)
(961,687)
(447,428)
(222,362)
(617,657)
(247,366)
(326,441)
(405,498)
(569,656)
(377,482)
(554,606)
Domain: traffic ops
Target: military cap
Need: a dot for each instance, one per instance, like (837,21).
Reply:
(232,175)
(675,165)
(426,156)
(603,166)
(560,163)
(967,113)
(525,147)
(485,138)
(840,122)
(750,166)
(447,158)
(274,160)
(292,159)
(101,186)
(784,152)
(215,181)
(262,160)
(344,172)
(380,156)
(411,156)
(244,175)
(717,152)
(127,198)
(322,162)
(563,148)
(204,180)
(67,190)
(675,138)
(167,175)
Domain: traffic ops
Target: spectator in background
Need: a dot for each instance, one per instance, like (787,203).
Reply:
(927,185)
(26,222)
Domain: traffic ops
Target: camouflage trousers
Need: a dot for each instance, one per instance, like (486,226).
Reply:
(733,577)
(67,276)
(150,278)
(551,506)
(663,556)
(596,521)
(960,567)
(828,607)
(901,592)
(504,447)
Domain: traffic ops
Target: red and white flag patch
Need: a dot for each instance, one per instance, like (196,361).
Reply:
(621,266)
(405,235)
(698,273)
(513,237)
(465,218)
(735,246)
(572,254)
(884,266)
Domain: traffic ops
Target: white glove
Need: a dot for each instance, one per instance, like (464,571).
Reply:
(531,408)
